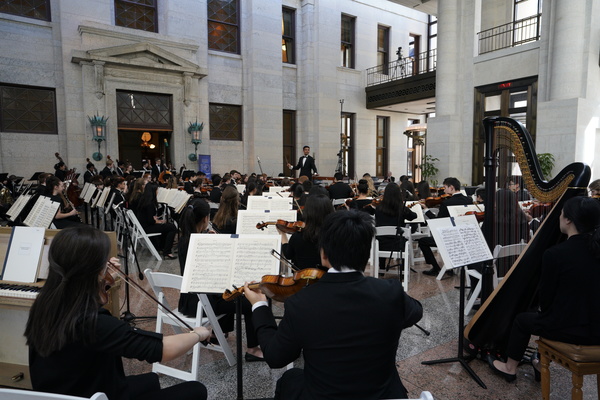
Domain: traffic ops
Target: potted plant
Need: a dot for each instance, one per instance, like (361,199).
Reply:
(428,169)
(546,161)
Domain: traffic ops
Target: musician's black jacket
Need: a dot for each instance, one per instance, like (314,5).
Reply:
(306,167)
(458,199)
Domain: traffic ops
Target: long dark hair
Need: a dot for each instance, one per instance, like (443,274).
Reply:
(316,208)
(424,190)
(148,198)
(228,207)
(392,200)
(51,182)
(66,309)
(584,212)
(192,214)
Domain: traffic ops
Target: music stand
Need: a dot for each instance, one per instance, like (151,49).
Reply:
(35,176)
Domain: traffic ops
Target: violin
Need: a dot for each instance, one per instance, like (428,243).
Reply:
(284,226)
(280,288)
(107,282)
(479,215)
(436,201)
(375,202)
(539,209)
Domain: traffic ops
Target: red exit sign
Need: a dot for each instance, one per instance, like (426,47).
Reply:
(505,85)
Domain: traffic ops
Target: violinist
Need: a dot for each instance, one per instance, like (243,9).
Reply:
(225,219)
(515,184)
(190,184)
(75,347)
(215,193)
(451,187)
(347,326)
(66,215)
(363,201)
(253,188)
(195,219)
(303,247)
(339,189)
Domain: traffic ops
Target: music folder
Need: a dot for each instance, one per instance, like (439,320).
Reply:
(23,254)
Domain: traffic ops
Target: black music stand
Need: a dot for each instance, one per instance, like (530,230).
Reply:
(461,328)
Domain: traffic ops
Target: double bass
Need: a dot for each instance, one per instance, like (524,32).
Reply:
(517,292)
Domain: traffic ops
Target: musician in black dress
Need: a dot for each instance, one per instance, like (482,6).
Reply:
(146,213)
(66,215)
(195,219)
(303,247)
(225,219)
(363,201)
(75,347)
(451,187)
(568,292)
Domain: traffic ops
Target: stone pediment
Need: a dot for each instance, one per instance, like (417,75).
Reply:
(140,55)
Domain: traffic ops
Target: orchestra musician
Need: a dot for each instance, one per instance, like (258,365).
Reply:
(515,184)
(363,201)
(146,213)
(90,172)
(66,215)
(109,170)
(60,170)
(76,347)
(226,217)
(195,219)
(594,188)
(568,291)
(157,168)
(303,247)
(347,326)
(339,189)
(306,164)
(451,187)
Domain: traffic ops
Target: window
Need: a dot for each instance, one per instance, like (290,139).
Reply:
(38,9)
(347,144)
(381,152)
(137,14)
(348,41)
(27,109)
(225,122)
(288,33)
(224,25)
(526,8)
(431,43)
(289,138)
(383,48)
(414,52)
(144,110)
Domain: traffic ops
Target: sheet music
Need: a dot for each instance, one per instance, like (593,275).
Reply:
(162,194)
(247,220)
(457,211)
(89,194)
(240,188)
(269,203)
(180,200)
(462,244)
(103,197)
(18,205)
(275,189)
(417,210)
(43,212)
(85,189)
(216,262)
(23,254)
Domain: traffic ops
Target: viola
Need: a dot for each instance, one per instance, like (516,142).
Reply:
(539,209)
(436,201)
(375,202)
(479,215)
(284,226)
(277,287)
(107,282)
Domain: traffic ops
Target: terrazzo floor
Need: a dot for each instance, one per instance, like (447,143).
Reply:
(448,381)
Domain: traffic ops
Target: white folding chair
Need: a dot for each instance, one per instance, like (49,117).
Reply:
(499,252)
(393,254)
(18,394)
(204,316)
(138,235)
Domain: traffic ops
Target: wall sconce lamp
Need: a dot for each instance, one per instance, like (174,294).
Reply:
(98,124)
(195,129)
(146,138)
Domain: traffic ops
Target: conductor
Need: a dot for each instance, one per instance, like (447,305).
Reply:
(306,164)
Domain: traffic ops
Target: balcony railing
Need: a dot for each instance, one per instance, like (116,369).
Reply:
(509,35)
(402,68)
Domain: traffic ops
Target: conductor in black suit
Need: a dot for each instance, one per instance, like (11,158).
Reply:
(346,325)
(451,187)
(306,164)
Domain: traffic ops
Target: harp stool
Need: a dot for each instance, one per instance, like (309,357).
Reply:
(580,360)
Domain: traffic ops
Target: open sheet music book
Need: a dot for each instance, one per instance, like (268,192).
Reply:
(101,200)
(174,198)
(247,220)
(457,211)
(459,240)
(272,202)
(43,212)
(23,255)
(14,210)
(216,262)
(417,209)
(86,187)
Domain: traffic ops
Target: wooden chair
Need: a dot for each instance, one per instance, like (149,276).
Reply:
(18,394)
(580,360)
(204,316)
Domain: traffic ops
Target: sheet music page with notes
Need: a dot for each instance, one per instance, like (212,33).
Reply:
(417,209)
(269,203)
(89,194)
(216,262)
(18,205)
(460,244)
(247,220)
(43,212)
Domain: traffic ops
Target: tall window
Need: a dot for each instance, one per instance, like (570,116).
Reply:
(225,122)
(38,9)
(144,110)
(224,25)
(383,48)
(288,33)
(526,9)
(381,152)
(414,50)
(137,14)
(289,139)
(347,47)
(27,109)
(431,41)
(347,138)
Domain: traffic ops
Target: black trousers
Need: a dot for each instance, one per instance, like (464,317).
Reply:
(167,237)
(147,387)
(425,244)
(522,329)
(290,385)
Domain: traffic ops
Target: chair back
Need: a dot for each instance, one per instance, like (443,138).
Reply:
(18,394)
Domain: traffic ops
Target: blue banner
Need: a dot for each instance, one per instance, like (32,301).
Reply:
(204,165)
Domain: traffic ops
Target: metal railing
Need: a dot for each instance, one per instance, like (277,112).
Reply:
(402,68)
(509,35)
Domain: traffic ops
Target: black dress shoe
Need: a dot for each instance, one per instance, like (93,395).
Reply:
(252,358)
(431,272)
(170,257)
(508,377)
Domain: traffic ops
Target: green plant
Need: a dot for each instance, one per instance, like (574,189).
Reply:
(546,161)
(428,168)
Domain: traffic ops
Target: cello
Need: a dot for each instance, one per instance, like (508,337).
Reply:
(516,293)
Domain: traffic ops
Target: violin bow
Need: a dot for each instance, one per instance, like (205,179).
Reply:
(278,256)
(143,291)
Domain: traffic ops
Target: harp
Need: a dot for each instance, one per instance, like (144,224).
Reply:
(507,139)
